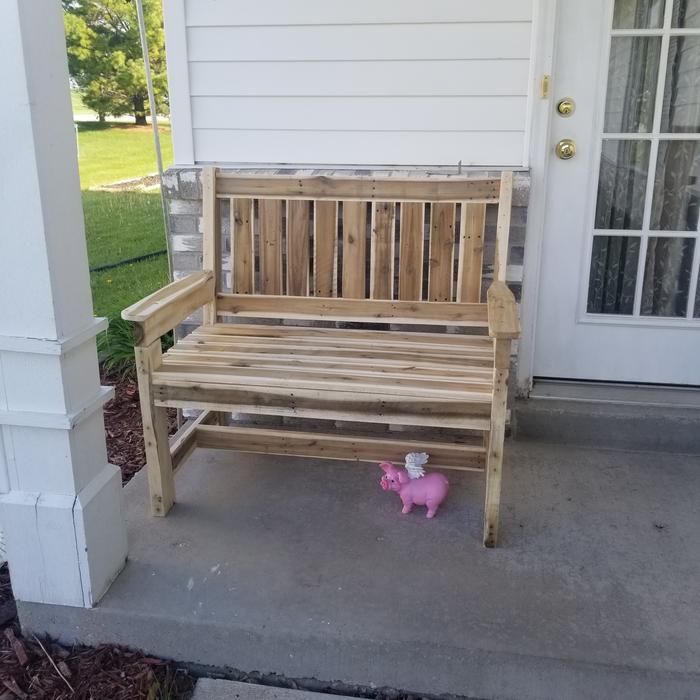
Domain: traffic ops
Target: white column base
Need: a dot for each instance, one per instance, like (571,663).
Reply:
(65,549)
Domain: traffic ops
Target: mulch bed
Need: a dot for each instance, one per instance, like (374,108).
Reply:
(40,668)
(123,426)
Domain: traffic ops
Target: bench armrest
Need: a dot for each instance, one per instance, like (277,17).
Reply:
(502,311)
(161,311)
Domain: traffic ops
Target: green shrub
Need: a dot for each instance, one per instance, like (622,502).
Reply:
(116,347)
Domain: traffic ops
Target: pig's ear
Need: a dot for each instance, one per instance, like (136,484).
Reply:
(403,477)
(386,467)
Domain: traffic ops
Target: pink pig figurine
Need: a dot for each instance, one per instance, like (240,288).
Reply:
(413,485)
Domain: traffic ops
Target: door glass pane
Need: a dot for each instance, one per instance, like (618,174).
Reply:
(681,106)
(686,13)
(696,313)
(613,274)
(667,276)
(622,184)
(632,76)
(676,201)
(635,14)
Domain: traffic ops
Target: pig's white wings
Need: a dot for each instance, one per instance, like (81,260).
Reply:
(414,464)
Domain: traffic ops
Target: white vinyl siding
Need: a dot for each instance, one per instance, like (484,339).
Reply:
(372,82)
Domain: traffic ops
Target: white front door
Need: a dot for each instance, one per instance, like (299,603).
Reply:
(619,298)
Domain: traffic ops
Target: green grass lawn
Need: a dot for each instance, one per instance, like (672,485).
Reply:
(111,152)
(114,290)
(121,225)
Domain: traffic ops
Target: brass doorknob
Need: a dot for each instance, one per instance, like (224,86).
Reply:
(566,106)
(565,149)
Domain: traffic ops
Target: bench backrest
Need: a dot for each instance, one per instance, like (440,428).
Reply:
(409,249)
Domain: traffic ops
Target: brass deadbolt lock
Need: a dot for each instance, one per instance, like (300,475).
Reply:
(566,107)
(565,149)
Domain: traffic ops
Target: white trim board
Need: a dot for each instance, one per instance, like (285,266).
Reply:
(58,421)
(538,137)
(49,346)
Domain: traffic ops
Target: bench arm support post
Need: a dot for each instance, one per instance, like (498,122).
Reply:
(503,327)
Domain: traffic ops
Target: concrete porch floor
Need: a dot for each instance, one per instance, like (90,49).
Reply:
(307,569)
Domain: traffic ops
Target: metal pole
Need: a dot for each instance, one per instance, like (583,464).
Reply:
(154,125)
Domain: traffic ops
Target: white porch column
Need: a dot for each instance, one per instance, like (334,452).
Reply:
(61,501)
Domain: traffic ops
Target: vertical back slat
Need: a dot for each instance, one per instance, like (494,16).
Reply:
(270,237)
(242,245)
(381,282)
(298,247)
(442,241)
(411,250)
(354,249)
(505,199)
(211,243)
(471,252)
(325,248)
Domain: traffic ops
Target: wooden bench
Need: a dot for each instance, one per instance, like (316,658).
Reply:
(353,252)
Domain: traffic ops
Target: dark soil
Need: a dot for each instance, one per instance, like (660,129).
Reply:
(123,427)
(33,668)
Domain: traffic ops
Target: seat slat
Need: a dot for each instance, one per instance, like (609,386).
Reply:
(382,251)
(448,359)
(242,245)
(332,364)
(343,334)
(442,243)
(476,391)
(325,249)
(354,249)
(411,251)
(419,350)
(341,341)
(270,239)
(298,222)
(352,378)
(349,349)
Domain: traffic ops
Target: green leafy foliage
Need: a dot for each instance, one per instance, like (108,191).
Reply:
(105,59)
(116,347)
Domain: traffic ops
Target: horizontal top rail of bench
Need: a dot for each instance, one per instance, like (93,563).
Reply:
(321,187)
(435,313)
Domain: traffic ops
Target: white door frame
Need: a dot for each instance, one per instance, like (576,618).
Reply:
(540,152)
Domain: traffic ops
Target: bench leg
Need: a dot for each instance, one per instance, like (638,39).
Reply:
(494,454)
(161,483)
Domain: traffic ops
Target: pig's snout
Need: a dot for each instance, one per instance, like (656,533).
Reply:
(384,483)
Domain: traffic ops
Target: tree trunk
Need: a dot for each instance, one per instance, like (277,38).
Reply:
(139,110)
(101,117)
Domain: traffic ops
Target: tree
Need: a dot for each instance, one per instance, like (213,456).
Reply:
(105,59)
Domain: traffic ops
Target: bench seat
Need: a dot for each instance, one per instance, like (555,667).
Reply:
(428,379)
